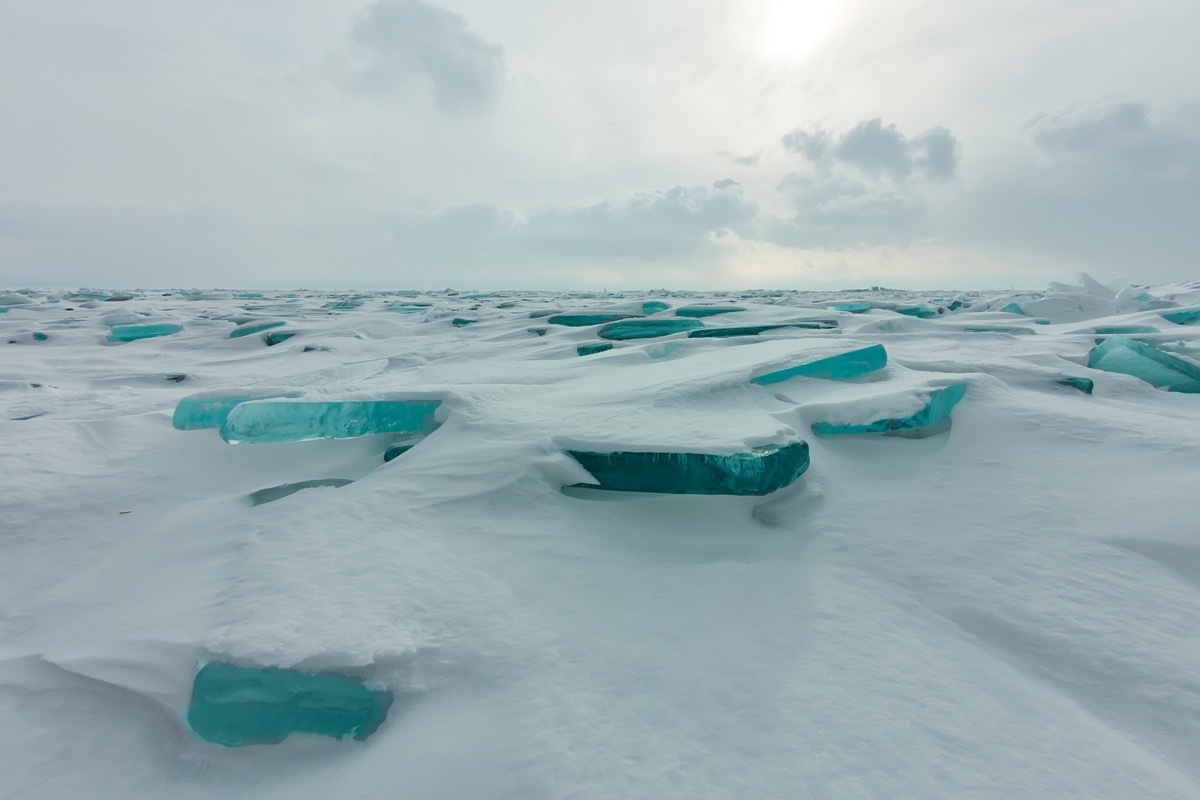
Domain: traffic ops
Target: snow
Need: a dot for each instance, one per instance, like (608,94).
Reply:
(1006,609)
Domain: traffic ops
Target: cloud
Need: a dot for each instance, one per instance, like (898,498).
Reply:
(879,150)
(409,39)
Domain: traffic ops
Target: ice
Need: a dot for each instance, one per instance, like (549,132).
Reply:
(1124,329)
(1129,357)
(706,311)
(585,320)
(592,349)
(647,328)
(209,409)
(272,421)
(462,322)
(255,327)
(1085,385)
(920,311)
(13,299)
(132,333)
(840,367)
(654,306)
(755,330)
(239,706)
(273,338)
(401,446)
(283,490)
(932,416)
(852,308)
(1008,329)
(1184,316)
(757,471)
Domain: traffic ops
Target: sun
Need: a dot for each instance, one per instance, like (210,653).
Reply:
(793,28)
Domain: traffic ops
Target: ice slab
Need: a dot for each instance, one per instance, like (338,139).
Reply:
(239,706)
(1184,316)
(132,333)
(920,312)
(839,367)
(755,330)
(273,338)
(706,311)
(461,322)
(654,306)
(933,414)
(1085,385)
(757,471)
(853,308)
(283,490)
(1010,330)
(592,349)
(273,421)
(255,327)
(647,328)
(209,409)
(1124,329)
(584,320)
(1129,357)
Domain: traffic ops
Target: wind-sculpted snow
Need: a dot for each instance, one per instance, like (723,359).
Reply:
(525,553)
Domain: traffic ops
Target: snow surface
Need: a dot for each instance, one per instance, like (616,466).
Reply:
(1009,609)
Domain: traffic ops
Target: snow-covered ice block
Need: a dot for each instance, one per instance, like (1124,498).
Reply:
(757,471)
(273,338)
(852,308)
(1129,357)
(462,322)
(1085,385)
(647,328)
(654,306)
(839,367)
(592,349)
(273,421)
(755,330)
(706,311)
(585,320)
(273,493)
(131,333)
(239,706)
(1183,316)
(209,409)
(255,327)
(922,410)
(918,311)
(1123,329)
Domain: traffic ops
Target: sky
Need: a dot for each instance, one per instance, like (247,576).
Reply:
(539,144)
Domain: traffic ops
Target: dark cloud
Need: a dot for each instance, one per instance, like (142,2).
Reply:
(410,39)
(879,150)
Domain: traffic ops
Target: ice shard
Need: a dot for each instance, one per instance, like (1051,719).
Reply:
(209,409)
(706,311)
(840,367)
(1013,308)
(255,327)
(131,333)
(1183,316)
(239,706)
(1129,357)
(592,349)
(273,493)
(273,338)
(758,471)
(934,415)
(853,308)
(654,306)
(584,320)
(755,330)
(273,421)
(647,328)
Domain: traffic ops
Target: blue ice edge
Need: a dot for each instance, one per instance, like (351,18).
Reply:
(277,421)
(209,409)
(132,333)
(757,471)
(1131,357)
(840,367)
(935,413)
(238,706)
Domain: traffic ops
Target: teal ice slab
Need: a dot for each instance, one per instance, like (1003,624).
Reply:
(255,327)
(1129,357)
(273,338)
(647,328)
(477,296)
(920,312)
(460,322)
(654,306)
(853,308)
(1013,308)
(997,329)
(592,349)
(1085,385)
(132,333)
(840,367)
(936,412)
(408,309)
(239,706)
(1184,316)
(729,332)
(209,409)
(1124,329)
(268,422)
(706,311)
(757,471)
(585,320)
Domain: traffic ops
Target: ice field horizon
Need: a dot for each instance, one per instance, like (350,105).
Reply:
(853,543)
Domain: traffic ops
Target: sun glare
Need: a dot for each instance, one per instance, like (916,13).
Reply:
(794,28)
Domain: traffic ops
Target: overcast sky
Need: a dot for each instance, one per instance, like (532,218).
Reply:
(628,143)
